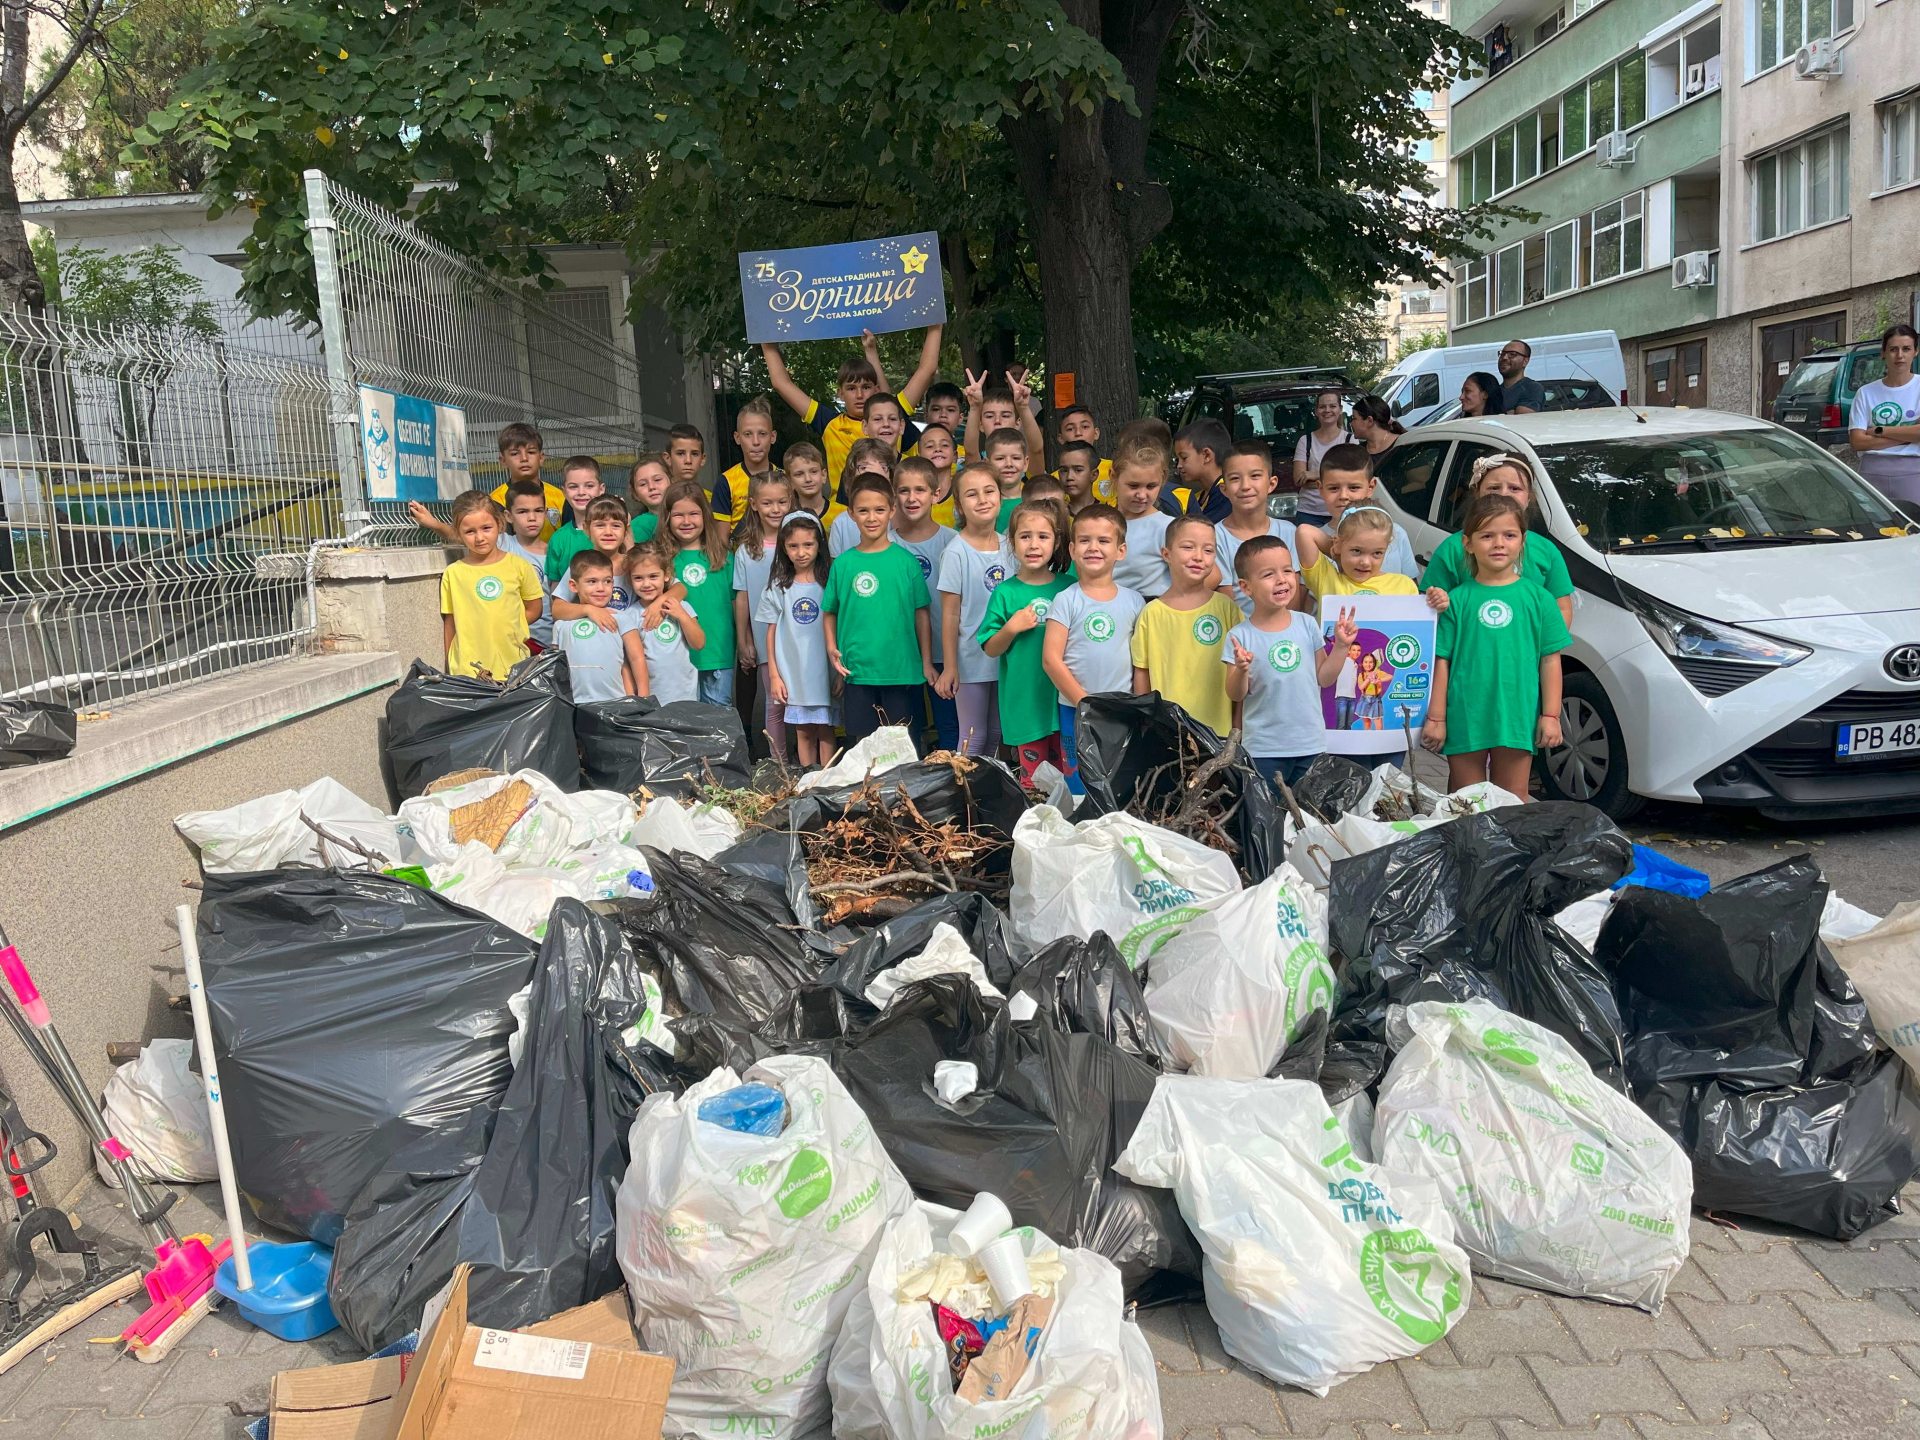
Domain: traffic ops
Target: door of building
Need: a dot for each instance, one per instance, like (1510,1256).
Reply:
(1677,374)
(1784,346)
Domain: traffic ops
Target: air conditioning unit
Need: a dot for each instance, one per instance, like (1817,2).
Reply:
(1816,60)
(1693,270)
(1614,149)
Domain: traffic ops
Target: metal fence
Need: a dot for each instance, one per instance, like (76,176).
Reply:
(164,498)
(404,314)
(162,495)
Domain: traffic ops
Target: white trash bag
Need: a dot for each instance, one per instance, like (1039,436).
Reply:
(945,953)
(1133,880)
(553,826)
(1554,1178)
(268,832)
(887,748)
(1840,922)
(1317,1266)
(1092,1377)
(1884,965)
(158,1106)
(667,825)
(742,1252)
(1230,991)
(1315,849)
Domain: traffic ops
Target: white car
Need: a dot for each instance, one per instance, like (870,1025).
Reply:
(1746,624)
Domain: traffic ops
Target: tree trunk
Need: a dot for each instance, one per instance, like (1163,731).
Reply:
(960,282)
(20,285)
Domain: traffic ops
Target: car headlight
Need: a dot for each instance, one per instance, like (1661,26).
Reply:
(1715,658)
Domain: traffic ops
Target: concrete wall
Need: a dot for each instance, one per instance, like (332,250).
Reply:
(92,881)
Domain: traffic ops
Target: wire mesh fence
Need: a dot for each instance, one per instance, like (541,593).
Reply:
(161,496)
(420,321)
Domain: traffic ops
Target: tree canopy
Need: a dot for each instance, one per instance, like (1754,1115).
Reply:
(1123,187)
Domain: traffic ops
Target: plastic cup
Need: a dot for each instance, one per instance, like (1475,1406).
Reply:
(986,1220)
(1006,1266)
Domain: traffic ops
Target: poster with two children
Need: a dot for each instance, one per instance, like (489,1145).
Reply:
(1381,691)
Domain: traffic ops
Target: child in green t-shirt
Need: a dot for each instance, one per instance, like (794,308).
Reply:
(1012,631)
(1496,681)
(702,563)
(875,603)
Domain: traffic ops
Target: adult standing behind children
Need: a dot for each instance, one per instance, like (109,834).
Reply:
(488,598)
(838,426)
(522,453)
(1327,432)
(1374,426)
(1522,396)
(1884,423)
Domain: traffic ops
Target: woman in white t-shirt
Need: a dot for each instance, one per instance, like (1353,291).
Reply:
(1884,427)
(1328,432)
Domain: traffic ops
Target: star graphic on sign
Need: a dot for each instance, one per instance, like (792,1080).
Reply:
(913,262)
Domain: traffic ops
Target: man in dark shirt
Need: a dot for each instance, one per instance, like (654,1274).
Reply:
(1523,396)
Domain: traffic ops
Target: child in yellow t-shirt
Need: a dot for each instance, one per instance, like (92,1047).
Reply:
(488,598)
(1177,639)
(1352,560)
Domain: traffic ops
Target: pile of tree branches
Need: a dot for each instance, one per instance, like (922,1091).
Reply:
(882,856)
(1191,796)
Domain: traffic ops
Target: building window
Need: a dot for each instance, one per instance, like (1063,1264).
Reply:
(1800,186)
(1470,291)
(1508,287)
(1417,302)
(1573,122)
(1781,27)
(1684,67)
(1899,127)
(1563,243)
(1615,99)
(1619,239)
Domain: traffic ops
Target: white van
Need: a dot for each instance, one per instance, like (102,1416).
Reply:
(1427,379)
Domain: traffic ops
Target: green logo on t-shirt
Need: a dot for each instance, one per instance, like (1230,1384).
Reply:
(584,629)
(1403,650)
(1207,630)
(489,587)
(1040,608)
(1496,614)
(1887,412)
(667,633)
(694,576)
(1284,656)
(1097,626)
(866,583)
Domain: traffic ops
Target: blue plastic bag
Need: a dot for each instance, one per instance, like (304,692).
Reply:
(750,1109)
(1658,872)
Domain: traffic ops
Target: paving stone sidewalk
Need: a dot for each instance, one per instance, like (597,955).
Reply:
(1767,1335)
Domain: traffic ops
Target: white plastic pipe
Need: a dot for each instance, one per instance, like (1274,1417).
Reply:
(210,1072)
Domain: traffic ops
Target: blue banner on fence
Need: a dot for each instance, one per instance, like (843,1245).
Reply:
(829,291)
(411,449)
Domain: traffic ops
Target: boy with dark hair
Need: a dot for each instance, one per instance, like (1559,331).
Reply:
(596,658)
(1075,425)
(581,484)
(1346,482)
(1079,471)
(995,407)
(522,453)
(947,405)
(686,452)
(526,518)
(838,426)
(1200,454)
(753,433)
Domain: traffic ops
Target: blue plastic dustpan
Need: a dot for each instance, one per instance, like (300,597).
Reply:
(289,1294)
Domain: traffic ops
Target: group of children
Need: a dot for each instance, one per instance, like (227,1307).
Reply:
(918,567)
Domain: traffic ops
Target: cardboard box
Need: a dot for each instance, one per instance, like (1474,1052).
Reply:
(476,1384)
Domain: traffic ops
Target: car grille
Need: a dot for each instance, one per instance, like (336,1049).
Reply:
(1868,705)
(1720,677)
(1804,749)
(1800,764)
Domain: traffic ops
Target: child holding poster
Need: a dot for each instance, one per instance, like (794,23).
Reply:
(1269,676)
(1179,638)
(1496,684)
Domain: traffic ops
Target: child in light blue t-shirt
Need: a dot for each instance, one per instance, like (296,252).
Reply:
(799,679)
(666,649)
(1277,664)
(596,657)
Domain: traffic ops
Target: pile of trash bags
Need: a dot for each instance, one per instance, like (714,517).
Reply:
(577,1040)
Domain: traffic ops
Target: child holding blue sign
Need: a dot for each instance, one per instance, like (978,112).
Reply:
(838,426)
(1496,677)
(1276,664)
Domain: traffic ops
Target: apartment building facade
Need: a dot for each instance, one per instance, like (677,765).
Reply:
(1689,186)
(1413,309)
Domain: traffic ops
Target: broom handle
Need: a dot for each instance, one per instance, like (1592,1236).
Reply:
(216,1111)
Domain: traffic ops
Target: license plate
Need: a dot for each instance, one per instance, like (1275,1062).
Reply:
(1795,417)
(1884,737)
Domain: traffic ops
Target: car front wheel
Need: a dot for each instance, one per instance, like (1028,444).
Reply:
(1591,766)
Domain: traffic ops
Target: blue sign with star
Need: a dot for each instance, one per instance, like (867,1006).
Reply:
(826,292)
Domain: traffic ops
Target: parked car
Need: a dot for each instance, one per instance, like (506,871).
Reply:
(1818,394)
(1271,405)
(1561,395)
(1422,382)
(1722,651)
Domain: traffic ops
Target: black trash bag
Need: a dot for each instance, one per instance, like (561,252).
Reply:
(355,1016)
(1465,911)
(438,724)
(535,1217)
(1750,1046)
(988,933)
(1123,739)
(981,796)
(1052,1112)
(720,943)
(625,744)
(1342,1069)
(1083,986)
(35,730)
(1332,786)
(813,1021)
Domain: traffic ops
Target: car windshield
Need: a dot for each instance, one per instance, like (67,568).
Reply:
(1726,488)
(1810,380)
